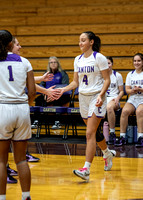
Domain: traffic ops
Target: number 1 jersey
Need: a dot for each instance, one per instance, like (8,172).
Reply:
(13,75)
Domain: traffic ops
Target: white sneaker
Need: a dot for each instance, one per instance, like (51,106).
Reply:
(82,173)
(57,125)
(35,124)
(108,160)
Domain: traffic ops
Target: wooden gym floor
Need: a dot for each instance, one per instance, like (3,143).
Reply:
(52,177)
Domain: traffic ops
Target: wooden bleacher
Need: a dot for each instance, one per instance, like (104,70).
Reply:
(47,28)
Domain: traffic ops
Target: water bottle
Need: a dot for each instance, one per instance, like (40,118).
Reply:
(135,134)
(106,130)
(129,134)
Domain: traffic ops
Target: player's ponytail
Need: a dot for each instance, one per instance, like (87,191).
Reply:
(97,42)
(5,39)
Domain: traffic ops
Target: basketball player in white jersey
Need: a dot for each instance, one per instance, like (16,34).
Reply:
(16,49)
(114,94)
(46,77)
(91,75)
(51,92)
(134,87)
(15,74)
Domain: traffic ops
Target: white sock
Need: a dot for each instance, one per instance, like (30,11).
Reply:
(87,165)
(25,195)
(123,135)
(140,135)
(3,197)
(112,130)
(106,152)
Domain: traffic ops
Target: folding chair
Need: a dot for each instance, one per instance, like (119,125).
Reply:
(48,115)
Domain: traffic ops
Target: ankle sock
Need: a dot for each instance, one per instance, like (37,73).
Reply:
(123,135)
(112,130)
(140,135)
(25,195)
(3,197)
(87,165)
(106,152)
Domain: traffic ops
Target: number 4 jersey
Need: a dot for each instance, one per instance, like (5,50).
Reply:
(13,75)
(89,72)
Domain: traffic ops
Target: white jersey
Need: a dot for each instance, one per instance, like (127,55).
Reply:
(13,74)
(116,81)
(135,79)
(89,72)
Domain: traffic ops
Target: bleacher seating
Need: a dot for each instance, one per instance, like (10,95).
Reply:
(47,28)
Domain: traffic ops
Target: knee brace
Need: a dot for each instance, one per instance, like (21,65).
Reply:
(99,136)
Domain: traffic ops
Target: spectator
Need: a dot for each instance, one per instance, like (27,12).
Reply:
(60,77)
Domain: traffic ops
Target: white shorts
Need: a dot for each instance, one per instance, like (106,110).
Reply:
(135,101)
(15,122)
(87,106)
(110,99)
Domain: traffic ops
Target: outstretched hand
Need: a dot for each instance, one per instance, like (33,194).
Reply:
(47,76)
(53,94)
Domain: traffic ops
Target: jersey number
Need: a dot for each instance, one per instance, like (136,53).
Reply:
(85,79)
(10,73)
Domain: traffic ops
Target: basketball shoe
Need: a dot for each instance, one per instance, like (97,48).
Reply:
(10,179)
(112,138)
(108,160)
(120,141)
(82,173)
(140,142)
(31,158)
(11,172)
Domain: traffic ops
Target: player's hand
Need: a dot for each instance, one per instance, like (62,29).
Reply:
(61,92)
(134,90)
(47,76)
(99,101)
(116,101)
(53,94)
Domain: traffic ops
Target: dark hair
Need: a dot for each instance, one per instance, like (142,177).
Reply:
(5,39)
(97,42)
(139,54)
(110,58)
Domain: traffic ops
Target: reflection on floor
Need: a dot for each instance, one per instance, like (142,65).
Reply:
(129,151)
(52,176)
